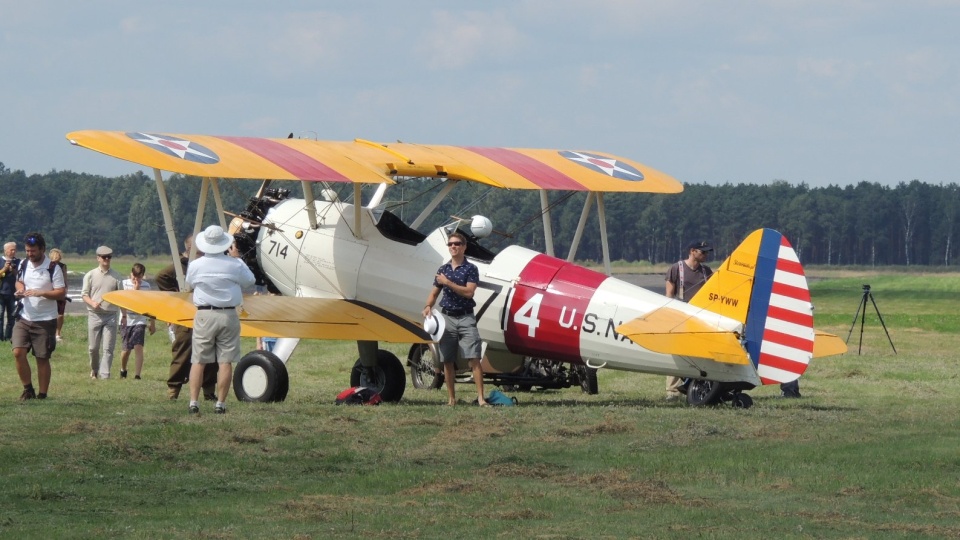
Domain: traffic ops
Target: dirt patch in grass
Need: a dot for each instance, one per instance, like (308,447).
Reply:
(633,492)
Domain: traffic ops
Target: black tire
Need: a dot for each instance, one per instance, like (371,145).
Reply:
(588,380)
(389,378)
(260,377)
(701,393)
(742,401)
(422,374)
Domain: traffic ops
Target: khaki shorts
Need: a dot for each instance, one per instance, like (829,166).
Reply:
(38,336)
(460,335)
(216,337)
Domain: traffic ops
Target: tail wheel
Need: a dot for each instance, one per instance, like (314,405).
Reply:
(387,378)
(588,380)
(701,393)
(261,377)
(422,373)
(742,401)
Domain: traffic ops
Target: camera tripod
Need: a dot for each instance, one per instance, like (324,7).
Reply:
(862,313)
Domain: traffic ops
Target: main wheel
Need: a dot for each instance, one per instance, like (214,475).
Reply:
(701,393)
(260,376)
(588,379)
(386,378)
(422,374)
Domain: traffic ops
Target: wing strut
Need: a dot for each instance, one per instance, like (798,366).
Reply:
(547,227)
(433,204)
(584,214)
(309,200)
(604,245)
(168,226)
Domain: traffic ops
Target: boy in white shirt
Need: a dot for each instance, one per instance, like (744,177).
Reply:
(133,325)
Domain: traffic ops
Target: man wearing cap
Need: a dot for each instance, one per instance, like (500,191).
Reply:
(40,283)
(218,281)
(684,280)
(102,316)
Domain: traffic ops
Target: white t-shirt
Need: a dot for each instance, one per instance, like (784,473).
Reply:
(38,308)
(133,318)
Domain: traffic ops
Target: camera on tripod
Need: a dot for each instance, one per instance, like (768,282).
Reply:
(866,288)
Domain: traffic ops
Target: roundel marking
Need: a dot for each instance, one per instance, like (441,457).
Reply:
(608,166)
(177,147)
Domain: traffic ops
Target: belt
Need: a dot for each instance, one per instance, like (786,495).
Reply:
(456,313)
(216,307)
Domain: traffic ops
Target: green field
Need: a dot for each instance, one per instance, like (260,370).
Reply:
(870,451)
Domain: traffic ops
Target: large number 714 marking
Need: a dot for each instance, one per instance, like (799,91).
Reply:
(277,249)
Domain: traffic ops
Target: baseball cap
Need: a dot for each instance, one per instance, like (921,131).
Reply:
(701,245)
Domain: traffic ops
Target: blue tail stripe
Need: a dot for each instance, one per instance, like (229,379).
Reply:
(762,289)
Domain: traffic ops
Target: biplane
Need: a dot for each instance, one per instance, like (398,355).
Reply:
(349,270)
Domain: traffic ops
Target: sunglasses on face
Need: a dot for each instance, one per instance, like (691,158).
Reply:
(452,244)
(31,240)
(107,257)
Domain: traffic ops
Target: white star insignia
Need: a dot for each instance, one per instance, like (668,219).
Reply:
(178,147)
(606,165)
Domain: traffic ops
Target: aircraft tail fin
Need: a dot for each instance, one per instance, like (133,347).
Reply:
(762,285)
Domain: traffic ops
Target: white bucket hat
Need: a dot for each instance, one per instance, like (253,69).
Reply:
(214,240)
(434,325)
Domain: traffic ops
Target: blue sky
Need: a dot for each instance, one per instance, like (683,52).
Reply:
(822,92)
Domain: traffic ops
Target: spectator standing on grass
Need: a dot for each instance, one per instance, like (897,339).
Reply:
(218,281)
(181,346)
(8,290)
(56,255)
(40,283)
(102,316)
(458,279)
(133,326)
(684,280)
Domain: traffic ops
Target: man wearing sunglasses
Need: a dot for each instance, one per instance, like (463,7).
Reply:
(40,283)
(102,316)
(458,280)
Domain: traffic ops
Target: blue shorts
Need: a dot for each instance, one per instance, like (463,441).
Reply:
(460,335)
(131,336)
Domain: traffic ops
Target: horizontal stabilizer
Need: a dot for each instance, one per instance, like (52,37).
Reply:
(284,316)
(670,331)
(825,344)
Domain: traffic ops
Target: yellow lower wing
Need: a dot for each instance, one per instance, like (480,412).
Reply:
(284,316)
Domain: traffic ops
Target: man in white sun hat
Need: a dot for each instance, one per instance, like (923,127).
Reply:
(218,281)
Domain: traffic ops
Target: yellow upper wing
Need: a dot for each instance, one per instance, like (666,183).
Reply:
(363,161)
(284,316)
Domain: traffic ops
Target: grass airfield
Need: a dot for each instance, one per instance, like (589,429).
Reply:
(870,451)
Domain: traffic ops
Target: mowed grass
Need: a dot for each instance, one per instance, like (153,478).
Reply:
(871,451)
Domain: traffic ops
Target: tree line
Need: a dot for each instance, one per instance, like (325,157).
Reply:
(912,223)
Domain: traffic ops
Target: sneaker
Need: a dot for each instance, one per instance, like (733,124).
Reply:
(28,393)
(673,396)
(136,377)
(93,375)
(41,395)
(123,374)
(209,396)
(219,409)
(193,409)
(59,339)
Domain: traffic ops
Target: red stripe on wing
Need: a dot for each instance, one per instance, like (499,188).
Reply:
(298,164)
(543,175)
